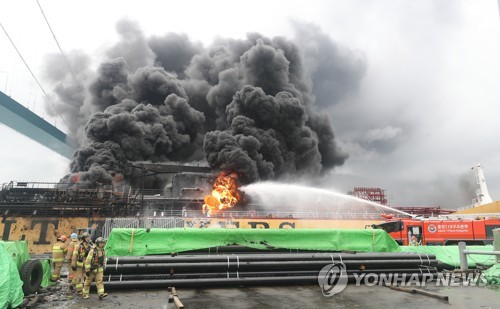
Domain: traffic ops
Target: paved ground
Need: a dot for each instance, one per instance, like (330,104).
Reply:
(288,297)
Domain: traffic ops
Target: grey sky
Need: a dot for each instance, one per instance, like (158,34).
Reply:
(423,114)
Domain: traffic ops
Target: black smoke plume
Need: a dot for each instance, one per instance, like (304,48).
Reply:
(241,105)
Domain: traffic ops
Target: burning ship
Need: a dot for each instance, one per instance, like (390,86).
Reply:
(195,197)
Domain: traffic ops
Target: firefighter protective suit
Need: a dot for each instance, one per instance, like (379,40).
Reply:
(59,250)
(73,244)
(94,269)
(79,255)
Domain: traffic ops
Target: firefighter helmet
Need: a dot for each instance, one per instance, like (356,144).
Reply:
(62,238)
(85,235)
(99,240)
(74,235)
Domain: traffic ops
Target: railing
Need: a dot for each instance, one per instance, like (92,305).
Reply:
(261,214)
(162,213)
(160,194)
(52,185)
(288,214)
(462,249)
(466,216)
(466,207)
(143,222)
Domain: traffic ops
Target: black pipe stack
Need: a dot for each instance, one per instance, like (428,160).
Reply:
(239,268)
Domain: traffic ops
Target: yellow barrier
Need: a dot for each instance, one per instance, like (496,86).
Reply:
(268,223)
(41,232)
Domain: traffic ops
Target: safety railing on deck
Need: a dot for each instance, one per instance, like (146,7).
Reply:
(288,214)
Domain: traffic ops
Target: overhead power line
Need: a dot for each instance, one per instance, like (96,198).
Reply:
(59,46)
(33,75)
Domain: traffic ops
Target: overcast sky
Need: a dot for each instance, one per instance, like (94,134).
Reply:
(424,113)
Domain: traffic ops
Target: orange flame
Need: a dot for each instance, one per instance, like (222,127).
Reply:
(74,178)
(225,194)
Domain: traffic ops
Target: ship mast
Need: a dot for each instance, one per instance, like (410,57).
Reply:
(483,197)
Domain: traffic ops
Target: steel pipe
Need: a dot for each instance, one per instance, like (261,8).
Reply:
(127,277)
(269,257)
(232,282)
(261,265)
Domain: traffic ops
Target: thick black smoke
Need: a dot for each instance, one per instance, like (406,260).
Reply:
(267,134)
(70,93)
(335,72)
(244,105)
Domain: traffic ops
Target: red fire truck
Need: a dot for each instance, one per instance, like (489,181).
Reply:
(439,232)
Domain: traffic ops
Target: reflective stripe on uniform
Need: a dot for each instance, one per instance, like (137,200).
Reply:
(58,260)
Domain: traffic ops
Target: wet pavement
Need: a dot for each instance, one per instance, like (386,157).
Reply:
(309,296)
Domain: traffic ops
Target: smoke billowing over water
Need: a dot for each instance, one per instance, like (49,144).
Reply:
(244,105)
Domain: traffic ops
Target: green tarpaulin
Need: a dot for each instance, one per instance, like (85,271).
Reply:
(492,275)
(450,254)
(18,251)
(11,286)
(47,273)
(137,242)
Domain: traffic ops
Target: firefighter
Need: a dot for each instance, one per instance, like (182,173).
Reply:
(79,255)
(414,241)
(95,264)
(58,254)
(71,248)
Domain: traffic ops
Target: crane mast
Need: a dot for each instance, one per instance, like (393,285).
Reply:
(483,197)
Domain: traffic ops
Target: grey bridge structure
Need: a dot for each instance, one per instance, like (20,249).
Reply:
(24,121)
